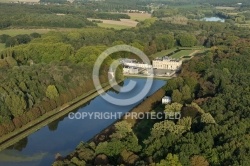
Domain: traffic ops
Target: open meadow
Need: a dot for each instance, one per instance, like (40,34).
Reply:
(117,27)
(139,16)
(14,32)
(2,46)
(122,24)
(29,1)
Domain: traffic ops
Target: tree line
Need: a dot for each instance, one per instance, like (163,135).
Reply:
(212,94)
(51,16)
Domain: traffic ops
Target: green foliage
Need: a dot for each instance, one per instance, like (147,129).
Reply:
(52,92)
(207,118)
(16,104)
(171,159)
(187,40)
(177,96)
(122,138)
(174,107)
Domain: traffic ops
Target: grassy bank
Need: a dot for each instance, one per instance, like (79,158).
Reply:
(31,127)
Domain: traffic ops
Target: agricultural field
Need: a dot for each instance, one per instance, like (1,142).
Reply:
(14,32)
(118,27)
(29,1)
(139,16)
(182,53)
(2,46)
(124,23)
(224,8)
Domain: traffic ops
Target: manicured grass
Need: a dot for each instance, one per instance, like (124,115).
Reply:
(193,48)
(118,27)
(14,32)
(2,46)
(182,53)
(163,53)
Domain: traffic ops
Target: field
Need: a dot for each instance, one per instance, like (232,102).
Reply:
(8,1)
(118,27)
(124,23)
(2,46)
(139,16)
(163,53)
(14,32)
(224,8)
(182,53)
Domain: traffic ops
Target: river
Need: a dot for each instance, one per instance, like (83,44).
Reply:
(63,135)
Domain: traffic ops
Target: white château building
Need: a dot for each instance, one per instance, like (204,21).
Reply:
(130,70)
(134,63)
(167,63)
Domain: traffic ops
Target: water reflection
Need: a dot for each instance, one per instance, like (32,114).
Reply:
(64,134)
(20,145)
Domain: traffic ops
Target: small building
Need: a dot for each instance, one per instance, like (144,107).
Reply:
(166,100)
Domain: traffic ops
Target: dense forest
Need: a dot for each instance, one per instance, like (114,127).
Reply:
(63,16)
(41,72)
(64,49)
(212,93)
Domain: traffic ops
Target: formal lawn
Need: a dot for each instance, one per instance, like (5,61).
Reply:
(182,53)
(163,53)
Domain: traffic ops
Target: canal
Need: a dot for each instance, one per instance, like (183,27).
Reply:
(63,135)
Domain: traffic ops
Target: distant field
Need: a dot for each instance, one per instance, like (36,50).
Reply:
(8,1)
(118,27)
(14,32)
(224,8)
(2,46)
(124,23)
(163,53)
(233,14)
(186,6)
(182,53)
(139,16)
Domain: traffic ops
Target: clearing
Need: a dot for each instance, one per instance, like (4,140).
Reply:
(14,32)
(139,16)
(19,31)
(118,27)
(25,1)
(2,46)
(224,8)
(126,23)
